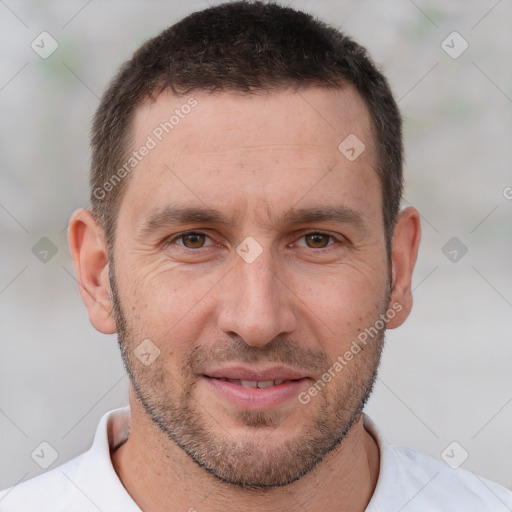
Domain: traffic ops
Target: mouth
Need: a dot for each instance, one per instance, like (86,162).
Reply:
(260,384)
(255,390)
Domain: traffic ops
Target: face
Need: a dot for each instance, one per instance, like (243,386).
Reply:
(250,251)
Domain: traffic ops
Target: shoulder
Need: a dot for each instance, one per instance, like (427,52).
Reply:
(412,481)
(86,483)
(432,483)
(44,492)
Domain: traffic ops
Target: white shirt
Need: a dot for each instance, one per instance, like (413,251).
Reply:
(408,481)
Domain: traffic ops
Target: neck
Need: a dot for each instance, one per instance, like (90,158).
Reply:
(156,473)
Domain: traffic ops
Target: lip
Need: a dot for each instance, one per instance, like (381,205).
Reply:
(253,399)
(243,373)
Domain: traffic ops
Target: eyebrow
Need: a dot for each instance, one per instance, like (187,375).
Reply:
(173,215)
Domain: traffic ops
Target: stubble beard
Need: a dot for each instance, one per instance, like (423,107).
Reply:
(251,462)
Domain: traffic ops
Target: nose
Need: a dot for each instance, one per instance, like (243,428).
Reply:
(256,302)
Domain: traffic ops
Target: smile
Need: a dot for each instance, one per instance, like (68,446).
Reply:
(261,394)
(254,383)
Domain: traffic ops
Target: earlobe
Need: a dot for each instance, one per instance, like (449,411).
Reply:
(406,240)
(90,256)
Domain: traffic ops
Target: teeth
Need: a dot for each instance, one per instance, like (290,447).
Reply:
(249,383)
(255,383)
(265,383)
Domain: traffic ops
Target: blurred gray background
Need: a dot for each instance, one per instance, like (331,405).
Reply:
(446,374)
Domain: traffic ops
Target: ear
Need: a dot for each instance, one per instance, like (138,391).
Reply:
(406,240)
(90,256)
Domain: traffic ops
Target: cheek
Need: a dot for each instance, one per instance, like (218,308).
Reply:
(166,303)
(344,303)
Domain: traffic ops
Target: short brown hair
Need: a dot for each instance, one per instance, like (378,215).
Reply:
(247,47)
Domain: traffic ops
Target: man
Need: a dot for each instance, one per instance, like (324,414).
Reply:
(246,245)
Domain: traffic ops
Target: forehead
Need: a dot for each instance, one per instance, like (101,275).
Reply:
(254,152)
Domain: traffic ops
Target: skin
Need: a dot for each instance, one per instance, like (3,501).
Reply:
(298,304)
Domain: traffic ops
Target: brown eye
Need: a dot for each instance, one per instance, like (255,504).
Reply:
(317,240)
(193,240)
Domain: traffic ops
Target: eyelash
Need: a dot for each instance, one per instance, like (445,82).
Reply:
(200,249)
